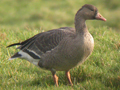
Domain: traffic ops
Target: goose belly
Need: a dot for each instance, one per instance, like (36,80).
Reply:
(77,53)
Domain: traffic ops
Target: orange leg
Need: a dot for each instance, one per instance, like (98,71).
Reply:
(55,78)
(69,78)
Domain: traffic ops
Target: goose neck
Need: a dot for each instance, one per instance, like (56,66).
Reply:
(80,25)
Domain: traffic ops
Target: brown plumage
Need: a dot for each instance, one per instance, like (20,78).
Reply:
(61,49)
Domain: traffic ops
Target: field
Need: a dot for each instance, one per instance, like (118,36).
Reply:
(22,19)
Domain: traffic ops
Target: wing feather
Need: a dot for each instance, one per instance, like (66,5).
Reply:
(45,41)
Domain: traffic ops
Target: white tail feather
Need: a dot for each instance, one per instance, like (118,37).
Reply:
(11,58)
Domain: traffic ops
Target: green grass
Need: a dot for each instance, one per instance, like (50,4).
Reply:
(21,19)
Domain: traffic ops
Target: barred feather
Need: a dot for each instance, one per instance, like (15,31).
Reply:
(34,47)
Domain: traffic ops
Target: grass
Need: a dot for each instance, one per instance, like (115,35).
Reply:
(20,20)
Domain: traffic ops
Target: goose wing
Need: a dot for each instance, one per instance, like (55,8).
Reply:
(43,42)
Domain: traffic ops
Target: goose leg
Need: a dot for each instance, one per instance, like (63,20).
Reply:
(69,78)
(55,78)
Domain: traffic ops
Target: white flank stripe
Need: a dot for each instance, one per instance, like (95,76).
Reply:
(28,57)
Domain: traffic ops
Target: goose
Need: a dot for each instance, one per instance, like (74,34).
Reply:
(61,49)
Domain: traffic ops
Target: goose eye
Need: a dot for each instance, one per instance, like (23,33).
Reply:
(92,10)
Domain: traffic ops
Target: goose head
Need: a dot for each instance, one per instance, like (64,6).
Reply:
(89,12)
